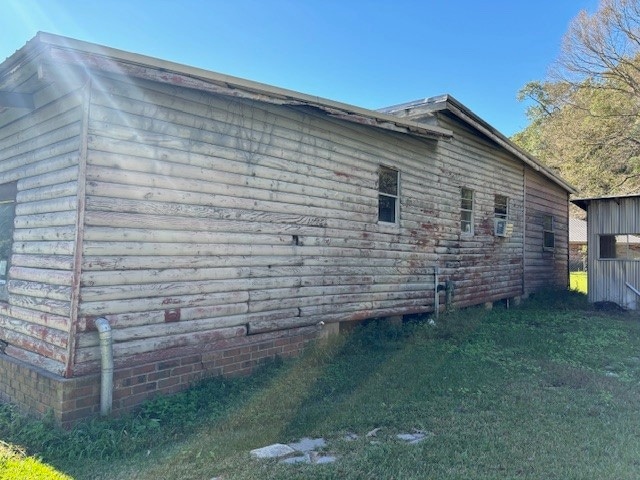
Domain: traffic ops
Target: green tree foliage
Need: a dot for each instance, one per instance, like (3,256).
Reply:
(585,118)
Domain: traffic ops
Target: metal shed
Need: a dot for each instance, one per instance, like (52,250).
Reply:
(613,259)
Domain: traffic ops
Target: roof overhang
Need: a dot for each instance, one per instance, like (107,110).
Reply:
(428,106)
(583,203)
(59,50)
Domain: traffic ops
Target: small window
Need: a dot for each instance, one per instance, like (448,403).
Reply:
(620,247)
(466,211)
(388,205)
(501,207)
(7,214)
(549,236)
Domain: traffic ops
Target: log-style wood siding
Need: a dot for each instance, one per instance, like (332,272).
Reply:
(545,268)
(244,217)
(39,149)
(200,217)
(483,267)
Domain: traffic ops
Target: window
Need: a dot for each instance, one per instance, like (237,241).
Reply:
(7,213)
(501,207)
(466,211)
(549,237)
(388,183)
(620,247)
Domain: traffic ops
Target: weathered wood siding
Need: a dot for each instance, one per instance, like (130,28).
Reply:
(209,217)
(40,150)
(206,217)
(608,277)
(542,268)
(483,267)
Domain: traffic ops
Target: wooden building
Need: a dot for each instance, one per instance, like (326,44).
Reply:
(613,249)
(577,245)
(215,222)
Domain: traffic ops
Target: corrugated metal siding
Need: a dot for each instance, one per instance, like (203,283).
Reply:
(608,278)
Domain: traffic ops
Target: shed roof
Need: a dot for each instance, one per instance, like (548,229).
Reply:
(577,230)
(583,203)
(67,51)
(428,106)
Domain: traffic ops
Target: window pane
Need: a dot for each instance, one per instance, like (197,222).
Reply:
(466,210)
(465,221)
(388,181)
(632,246)
(621,247)
(547,222)
(386,209)
(7,213)
(6,229)
(607,246)
(466,195)
(501,206)
(549,240)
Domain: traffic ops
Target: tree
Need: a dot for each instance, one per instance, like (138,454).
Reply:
(585,119)
(603,49)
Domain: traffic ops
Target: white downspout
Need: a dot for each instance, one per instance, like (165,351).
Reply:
(106,353)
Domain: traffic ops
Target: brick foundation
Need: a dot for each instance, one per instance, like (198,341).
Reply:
(37,391)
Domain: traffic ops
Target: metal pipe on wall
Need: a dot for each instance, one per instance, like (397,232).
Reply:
(106,354)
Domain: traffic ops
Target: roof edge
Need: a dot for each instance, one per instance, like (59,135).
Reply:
(457,108)
(44,41)
(583,203)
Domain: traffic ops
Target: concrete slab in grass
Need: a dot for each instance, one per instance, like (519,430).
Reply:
(277,450)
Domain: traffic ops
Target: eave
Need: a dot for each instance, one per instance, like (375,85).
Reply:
(58,50)
(583,203)
(450,104)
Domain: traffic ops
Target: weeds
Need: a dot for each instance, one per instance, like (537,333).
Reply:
(157,422)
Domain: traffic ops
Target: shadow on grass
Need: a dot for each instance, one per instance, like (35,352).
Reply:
(464,372)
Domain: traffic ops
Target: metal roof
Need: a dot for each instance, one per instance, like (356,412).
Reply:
(583,203)
(446,102)
(577,230)
(67,51)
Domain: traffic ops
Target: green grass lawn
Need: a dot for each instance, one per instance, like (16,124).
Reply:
(548,390)
(578,281)
(16,465)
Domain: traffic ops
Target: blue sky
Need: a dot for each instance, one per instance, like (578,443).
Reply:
(369,53)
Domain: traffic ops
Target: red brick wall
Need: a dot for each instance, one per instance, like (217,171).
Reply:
(37,391)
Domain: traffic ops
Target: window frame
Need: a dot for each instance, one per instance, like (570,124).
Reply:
(8,194)
(613,247)
(548,232)
(395,197)
(496,214)
(467,211)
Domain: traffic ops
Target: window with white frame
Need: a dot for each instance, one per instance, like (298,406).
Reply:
(466,211)
(501,207)
(548,233)
(7,214)
(388,195)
